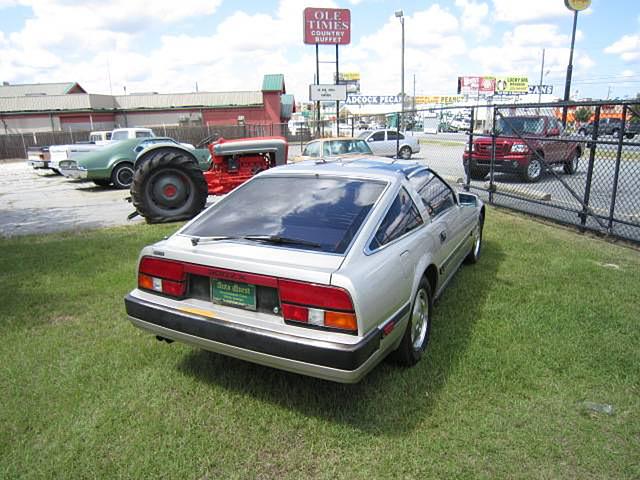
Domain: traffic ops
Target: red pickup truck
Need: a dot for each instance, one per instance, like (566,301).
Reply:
(514,155)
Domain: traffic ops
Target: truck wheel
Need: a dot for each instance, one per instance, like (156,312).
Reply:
(571,166)
(122,175)
(405,153)
(533,170)
(168,187)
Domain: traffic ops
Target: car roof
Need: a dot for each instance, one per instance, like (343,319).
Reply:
(375,168)
(330,139)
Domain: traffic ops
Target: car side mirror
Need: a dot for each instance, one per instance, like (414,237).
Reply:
(467,199)
(370,139)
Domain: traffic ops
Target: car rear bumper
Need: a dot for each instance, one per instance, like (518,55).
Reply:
(71,172)
(328,360)
(38,163)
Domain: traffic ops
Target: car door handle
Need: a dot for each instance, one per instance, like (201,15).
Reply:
(443,235)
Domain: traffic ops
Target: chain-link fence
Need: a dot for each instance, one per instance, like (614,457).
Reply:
(574,163)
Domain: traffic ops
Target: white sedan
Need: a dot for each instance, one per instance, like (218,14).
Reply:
(319,268)
(387,143)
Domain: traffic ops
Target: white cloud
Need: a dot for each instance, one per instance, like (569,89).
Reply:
(542,34)
(518,11)
(474,17)
(627,47)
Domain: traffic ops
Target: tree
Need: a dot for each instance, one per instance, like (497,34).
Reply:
(583,114)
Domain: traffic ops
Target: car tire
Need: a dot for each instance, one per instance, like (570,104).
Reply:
(478,174)
(102,182)
(582,132)
(571,166)
(168,187)
(615,133)
(416,335)
(629,135)
(476,248)
(122,176)
(533,171)
(405,153)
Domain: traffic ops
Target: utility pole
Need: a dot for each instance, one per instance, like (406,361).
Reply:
(541,75)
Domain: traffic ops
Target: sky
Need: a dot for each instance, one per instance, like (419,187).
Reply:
(171,46)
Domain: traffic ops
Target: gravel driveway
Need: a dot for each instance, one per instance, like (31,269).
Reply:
(36,201)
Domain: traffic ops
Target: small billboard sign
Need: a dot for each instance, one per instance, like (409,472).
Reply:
(327,26)
(326,93)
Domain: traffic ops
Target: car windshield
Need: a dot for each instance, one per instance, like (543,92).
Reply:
(515,125)
(326,213)
(342,147)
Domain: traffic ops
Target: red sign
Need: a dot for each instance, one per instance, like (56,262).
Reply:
(327,26)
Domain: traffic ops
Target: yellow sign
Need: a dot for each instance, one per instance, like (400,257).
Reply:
(438,99)
(577,5)
(512,85)
(349,75)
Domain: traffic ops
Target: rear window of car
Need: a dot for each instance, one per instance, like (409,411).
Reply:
(327,211)
(342,147)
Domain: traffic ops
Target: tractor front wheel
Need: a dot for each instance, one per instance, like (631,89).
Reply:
(169,187)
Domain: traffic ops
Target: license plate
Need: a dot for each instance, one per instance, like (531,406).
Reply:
(242,295)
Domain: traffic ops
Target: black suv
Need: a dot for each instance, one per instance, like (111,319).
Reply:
(611,126)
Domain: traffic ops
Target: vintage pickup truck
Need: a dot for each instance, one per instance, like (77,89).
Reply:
(58,153)
(524,145)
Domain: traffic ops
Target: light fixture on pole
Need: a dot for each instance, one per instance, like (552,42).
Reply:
(400,14)
(575,6)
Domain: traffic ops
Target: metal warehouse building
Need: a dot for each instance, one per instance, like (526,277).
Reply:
(68,107)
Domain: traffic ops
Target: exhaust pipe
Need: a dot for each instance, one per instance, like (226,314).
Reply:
(161,339)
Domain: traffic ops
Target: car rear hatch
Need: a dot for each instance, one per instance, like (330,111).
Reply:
(254,285)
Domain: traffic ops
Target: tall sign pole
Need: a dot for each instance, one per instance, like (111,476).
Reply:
(575,6)
(327,26)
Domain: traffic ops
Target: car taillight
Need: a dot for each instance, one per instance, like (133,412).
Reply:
(318,305)
(164,276)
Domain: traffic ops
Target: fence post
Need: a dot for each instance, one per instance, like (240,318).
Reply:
(24,147)
(493,156)
(353,125)
(592,156)
(616,173)
(467,166)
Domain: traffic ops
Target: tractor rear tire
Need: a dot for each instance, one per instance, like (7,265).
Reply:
(169,187)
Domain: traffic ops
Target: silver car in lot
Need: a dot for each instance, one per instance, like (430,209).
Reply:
(386,143)
(319,268)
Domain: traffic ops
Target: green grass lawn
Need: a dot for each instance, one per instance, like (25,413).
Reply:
(547,320)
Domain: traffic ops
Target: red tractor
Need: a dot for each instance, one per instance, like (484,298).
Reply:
(172,182)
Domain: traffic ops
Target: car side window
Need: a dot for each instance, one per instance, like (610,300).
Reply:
(436,196)
(143,134)
(393,135)
(377,137)
(312,150)
(402,217)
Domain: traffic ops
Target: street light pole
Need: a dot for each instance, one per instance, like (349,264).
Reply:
(567,85)
(541,78)
(400,15)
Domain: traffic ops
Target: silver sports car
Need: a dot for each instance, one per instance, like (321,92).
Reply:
(319,268)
